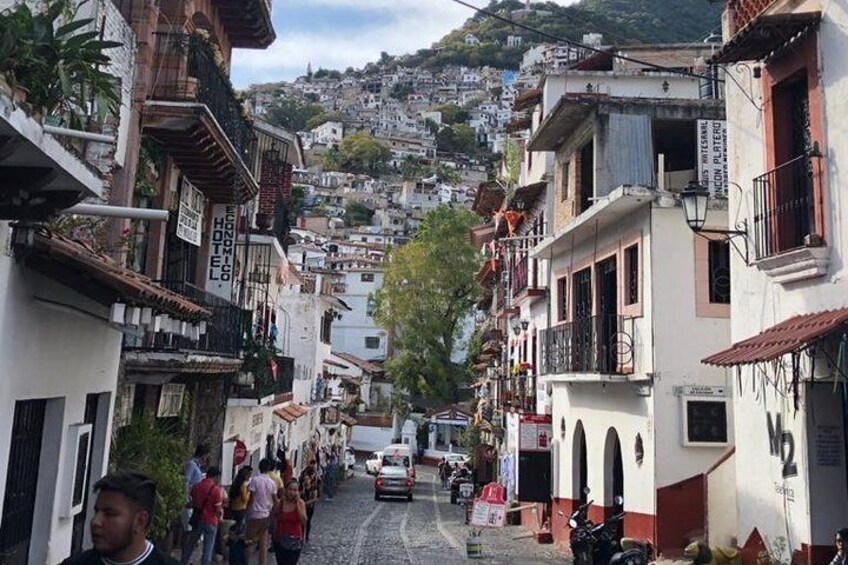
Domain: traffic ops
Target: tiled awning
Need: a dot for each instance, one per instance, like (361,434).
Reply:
(785,337)
(528,99)
(526,196)
(100,278)
(290,412)
(765,35)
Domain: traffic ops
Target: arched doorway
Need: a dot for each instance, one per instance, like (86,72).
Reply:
(614,475)
(580,464)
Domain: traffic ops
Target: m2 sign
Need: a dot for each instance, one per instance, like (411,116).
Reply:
(222,251)
(781,444)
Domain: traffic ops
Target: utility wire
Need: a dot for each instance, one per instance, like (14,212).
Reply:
(579,45)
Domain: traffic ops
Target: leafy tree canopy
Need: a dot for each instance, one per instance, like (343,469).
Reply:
(453,114)
(357,214)
(292,114)
(428,291)
(458,138)
(358,153)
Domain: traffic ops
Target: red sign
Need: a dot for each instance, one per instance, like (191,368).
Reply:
(239,452)
(535,433)
(490,509)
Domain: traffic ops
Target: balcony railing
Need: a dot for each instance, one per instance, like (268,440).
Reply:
(746,10)
(520,275)
(187,72)
(598,344)
(223,330)
(784,208)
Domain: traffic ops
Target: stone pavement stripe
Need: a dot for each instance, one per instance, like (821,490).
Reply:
(403,535)
(360,534)
(440,525)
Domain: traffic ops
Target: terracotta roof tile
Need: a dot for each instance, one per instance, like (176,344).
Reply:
(778,340)
(126,285)
(367,366)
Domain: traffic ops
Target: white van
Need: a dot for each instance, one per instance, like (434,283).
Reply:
(399,455)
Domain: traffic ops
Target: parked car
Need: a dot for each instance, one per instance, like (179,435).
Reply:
(374,462)
(393,481)
(458,458)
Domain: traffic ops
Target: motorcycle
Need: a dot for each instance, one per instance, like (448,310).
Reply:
(598,544)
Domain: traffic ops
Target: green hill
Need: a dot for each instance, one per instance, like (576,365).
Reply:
(621,22)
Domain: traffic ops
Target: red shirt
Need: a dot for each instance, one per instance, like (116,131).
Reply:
(208,497)
(288,524)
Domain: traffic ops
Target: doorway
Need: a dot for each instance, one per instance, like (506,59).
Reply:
(22,481)
(580,465)
(582,333)
(78,531)
(607,315)
(614,480)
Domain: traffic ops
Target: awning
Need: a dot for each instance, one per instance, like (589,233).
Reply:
(332,363)
(100,278)
(488,200)
(785,337)
(481,235)
(528,99)
(291,412)
(519,124)
(526,196)
(765,35)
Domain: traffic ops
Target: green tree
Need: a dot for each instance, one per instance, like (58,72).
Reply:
(458,138)
(428,291)
(358,153)
(357,214)
(298,196)
(452,114)
(292,114)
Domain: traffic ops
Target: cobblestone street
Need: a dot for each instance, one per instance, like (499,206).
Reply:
(354,528)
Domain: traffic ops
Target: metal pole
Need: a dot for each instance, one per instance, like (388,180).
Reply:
(117,212)
(87,136)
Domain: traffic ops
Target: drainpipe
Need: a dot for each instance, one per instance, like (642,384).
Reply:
(103,211)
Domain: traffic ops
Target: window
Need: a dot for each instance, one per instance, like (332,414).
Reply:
(367,277)
(562,296)
(704,422)
(719,272)
(372,342)
(370,307)
(566,172)
(631,274)
(170,400)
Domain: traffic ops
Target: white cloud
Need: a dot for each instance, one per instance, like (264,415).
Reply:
(412,25)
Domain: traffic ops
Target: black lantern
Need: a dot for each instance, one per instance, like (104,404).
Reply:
(516,328)
(695,198)
(525,324)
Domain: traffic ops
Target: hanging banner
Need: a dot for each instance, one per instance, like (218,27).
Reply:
(712,155)
(190,217)
(222,251)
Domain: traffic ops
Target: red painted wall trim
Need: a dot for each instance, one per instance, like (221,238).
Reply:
(681,512)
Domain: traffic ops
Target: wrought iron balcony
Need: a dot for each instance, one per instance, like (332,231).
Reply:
(784,208)
(258,388)
(195,114)
(743,11)
(601,344)
(223,335)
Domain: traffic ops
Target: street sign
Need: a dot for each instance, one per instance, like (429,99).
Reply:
(239,452)
(490,509)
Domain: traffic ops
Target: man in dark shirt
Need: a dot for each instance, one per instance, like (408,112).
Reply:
(123,511)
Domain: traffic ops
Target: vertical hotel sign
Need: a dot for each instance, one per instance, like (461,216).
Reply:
(190,217)
(222,251)
(712,155)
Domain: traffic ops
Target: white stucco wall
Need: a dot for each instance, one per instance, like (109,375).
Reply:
(57,353)
(778,506)
(350,332)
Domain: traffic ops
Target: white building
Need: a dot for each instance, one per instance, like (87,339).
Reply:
(787,154)
(357,332)
(471,39)
(329,134)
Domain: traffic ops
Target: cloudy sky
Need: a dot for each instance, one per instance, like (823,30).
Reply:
(336,34)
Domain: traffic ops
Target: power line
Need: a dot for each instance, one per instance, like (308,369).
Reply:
(585,47)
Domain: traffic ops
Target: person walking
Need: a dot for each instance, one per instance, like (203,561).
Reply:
(193,474)
(289,524)
(309,493)
(444,472)
(239,494)
(123,511)
(330,477)
(207,499)
(263,498)
(841,541)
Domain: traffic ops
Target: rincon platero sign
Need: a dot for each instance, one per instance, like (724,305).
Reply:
(222,251)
